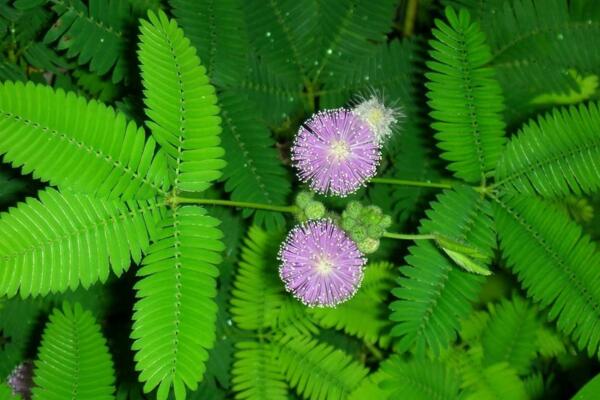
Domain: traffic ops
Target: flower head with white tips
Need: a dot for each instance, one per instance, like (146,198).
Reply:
(320,265)
(336,152)
(378,117)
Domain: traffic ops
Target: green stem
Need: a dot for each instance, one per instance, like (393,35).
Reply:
(230,203)
(411,16)
(407,236)
(403,182)
(375,351)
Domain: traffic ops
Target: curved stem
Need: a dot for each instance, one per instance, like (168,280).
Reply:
(230,203)
(403,182)
(407,236)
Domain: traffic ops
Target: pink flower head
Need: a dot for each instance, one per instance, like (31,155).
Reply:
(336,152)
(320,265)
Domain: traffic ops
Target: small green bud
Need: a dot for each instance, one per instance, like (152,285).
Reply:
(303,198)
(358,233)
(385,222)
(368,245)
(314,210)
(348,223)
(375,231)
(353,209)
(372,215)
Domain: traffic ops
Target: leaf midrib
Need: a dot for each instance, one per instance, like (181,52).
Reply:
(79,145)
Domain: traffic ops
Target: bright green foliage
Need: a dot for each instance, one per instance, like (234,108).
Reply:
(257,293)
(212,327)
(590,391)
(554,156)
(318,371)
(93,33)
(549,344)
(73,361)
(535,44)
(419,379)
(216,29)
(65,240)
(465,98)
(535,386)
(257,374)
(510,335)
(181,104)
(496,382)
(174,317)
(254,172)
(6,393)
(330,29)
(370,387)
(372,324)
(433,294)
(75,144)
(556,263)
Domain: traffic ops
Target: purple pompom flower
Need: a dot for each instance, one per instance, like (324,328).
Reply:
(320,265)
(336,152)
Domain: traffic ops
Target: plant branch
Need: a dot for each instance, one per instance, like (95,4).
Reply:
(403,182)
(407,236)
(230,203)
(411,16)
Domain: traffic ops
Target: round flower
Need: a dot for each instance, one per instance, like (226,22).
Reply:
(378,117)
(320,265)
(336,152)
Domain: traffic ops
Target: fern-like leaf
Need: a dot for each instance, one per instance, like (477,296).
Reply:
(217,30)
(175,314)
(555,156)
(364,315)
(419,379)
(73,361)
(79,145)
(257,296)
(370,387)
(93,33)
(535,43)
(10,187)
(510,335)
(556,263)
(465,98)
(6,393)
(590,390)
(330,32)
(65,240)
(496,382)
(434,294)
(253,171)
(317,370)
(256,373)
(181,104)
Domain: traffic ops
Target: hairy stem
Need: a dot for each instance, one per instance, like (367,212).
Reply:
(230,203)
(407,236)
(403,182)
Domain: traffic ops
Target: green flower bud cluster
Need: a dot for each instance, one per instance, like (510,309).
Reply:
(308,207)
(365,225)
